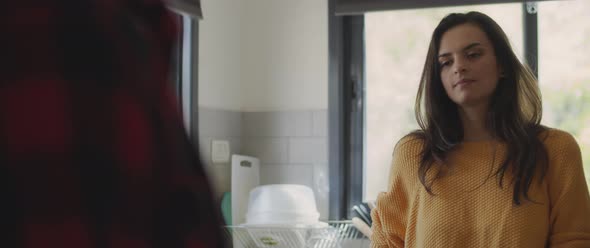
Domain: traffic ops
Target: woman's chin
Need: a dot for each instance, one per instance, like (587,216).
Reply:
(467,101)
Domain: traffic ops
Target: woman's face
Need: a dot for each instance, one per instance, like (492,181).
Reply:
(469,70)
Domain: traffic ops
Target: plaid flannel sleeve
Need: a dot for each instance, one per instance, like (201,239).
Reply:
(92,148)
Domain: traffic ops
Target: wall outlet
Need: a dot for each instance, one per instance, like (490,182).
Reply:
(220,151)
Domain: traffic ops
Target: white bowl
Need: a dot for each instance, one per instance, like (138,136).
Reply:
(282,203)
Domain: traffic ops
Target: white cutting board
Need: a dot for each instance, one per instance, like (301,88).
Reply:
(245,175)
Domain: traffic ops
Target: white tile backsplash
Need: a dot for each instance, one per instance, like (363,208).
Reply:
(300,123)
(219,123)
(292,147)
(320,123)
(278,124)
(308,150)
(287,174)
(235,144)
(268,150)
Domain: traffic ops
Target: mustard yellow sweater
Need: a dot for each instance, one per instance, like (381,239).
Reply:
(469,209)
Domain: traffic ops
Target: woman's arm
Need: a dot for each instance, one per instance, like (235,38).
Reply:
(570,202)
(390,214)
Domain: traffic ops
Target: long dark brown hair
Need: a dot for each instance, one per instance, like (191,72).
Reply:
(514,113)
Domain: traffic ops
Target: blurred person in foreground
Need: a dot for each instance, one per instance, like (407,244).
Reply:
(92,148)
(482,171)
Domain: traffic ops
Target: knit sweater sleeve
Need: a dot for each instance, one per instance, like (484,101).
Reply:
(568,192)
(390,214)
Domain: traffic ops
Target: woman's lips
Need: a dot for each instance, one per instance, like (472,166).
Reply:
(463,82)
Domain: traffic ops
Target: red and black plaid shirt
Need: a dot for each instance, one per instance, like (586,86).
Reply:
(92,149)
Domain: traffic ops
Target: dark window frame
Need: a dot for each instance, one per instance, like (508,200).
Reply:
(184,73)
(347,100)
(176,63)
(346,112)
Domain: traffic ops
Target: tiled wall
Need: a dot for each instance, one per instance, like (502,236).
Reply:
(219,125)
(292,147)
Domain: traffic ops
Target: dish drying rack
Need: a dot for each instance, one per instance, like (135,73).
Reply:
(338,234)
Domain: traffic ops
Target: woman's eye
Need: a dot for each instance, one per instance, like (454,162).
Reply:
(473,55)
(445,63)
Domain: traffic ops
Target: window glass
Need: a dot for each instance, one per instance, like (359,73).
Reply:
(564,69)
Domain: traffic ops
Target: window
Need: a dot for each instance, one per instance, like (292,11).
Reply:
(564,69)
(396,46)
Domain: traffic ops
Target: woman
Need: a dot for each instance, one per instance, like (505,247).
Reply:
(482,171)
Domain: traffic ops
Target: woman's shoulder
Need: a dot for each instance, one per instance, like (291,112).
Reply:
(563,152)
(558,141)
(411,145)
(406,157)
(410,141)
(565,168)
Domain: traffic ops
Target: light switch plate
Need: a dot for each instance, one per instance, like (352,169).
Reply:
(220,151)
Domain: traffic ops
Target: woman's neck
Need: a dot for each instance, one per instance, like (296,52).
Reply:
(474,119)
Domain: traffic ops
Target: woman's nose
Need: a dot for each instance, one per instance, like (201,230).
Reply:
(460,66)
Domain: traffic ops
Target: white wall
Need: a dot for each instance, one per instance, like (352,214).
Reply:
(219,54)
(263,55)
(285,55)
(263,79)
